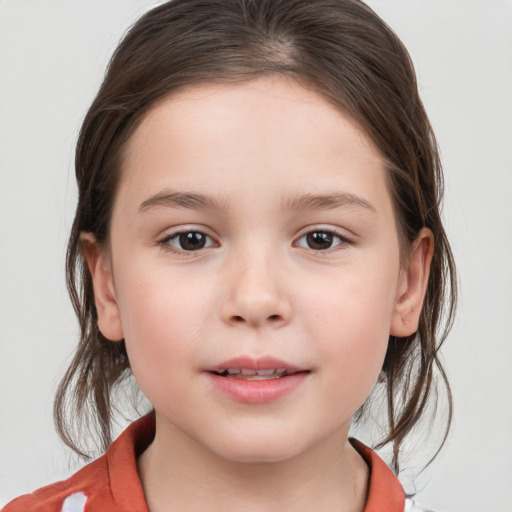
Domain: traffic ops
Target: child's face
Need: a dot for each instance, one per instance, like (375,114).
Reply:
(292,254)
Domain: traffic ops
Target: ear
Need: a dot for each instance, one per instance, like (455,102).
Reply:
(413,285)
(109,320)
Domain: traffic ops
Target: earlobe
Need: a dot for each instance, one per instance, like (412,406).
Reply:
(413,286)
(109,320)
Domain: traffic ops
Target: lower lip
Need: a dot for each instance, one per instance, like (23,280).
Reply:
(256,391)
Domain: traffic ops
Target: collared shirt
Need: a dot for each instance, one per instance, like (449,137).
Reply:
(112,484)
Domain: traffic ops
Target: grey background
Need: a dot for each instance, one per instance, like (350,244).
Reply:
(52,56)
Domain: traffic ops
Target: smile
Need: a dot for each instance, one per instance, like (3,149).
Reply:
(249,374)
(256,381)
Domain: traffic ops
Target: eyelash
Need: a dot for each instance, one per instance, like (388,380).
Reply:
(166,245)
(343,240)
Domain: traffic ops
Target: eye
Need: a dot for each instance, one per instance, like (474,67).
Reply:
(321,240)
(187,241)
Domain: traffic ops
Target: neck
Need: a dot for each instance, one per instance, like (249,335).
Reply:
(177,473)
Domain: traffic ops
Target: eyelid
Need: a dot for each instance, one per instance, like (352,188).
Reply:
(344,239)
(164,241)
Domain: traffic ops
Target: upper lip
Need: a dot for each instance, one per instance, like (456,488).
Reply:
(251,363)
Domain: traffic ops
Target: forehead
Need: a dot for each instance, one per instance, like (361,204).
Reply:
(221,135)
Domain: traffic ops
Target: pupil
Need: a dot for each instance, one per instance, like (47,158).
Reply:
(319,240)
(192,241)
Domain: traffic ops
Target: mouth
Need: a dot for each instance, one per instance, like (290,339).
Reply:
(256,380)
(248,368)
(250,374)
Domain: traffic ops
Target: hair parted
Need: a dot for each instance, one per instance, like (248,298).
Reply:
(344,52)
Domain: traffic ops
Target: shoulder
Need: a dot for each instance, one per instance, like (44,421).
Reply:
(385,492)
(108,484)
(60,496)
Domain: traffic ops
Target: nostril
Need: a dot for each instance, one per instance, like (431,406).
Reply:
(241,319)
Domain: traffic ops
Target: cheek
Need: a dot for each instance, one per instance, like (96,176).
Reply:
(351,326)
(163,322)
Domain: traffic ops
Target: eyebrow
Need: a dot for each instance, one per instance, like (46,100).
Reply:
(191,200)
(195,201)
(326,201)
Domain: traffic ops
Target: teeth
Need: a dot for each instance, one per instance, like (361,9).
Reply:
(266,372)
(250,374)
(262,377)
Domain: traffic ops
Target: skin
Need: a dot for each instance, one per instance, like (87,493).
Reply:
(256,288)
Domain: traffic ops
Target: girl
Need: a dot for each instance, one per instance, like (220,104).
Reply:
(258,241)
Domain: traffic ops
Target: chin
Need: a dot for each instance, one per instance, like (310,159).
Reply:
(259,449)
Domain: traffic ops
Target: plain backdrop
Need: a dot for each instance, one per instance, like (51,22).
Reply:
(52,57)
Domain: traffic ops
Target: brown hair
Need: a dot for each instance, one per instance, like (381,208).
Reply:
(343,51)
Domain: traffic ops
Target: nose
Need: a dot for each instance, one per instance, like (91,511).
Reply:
(256,293)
